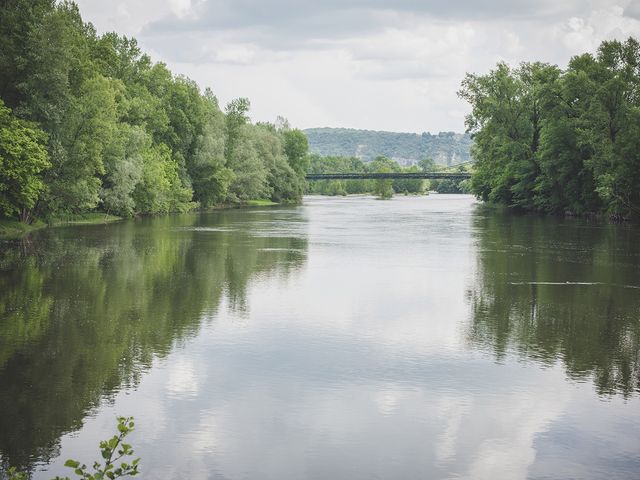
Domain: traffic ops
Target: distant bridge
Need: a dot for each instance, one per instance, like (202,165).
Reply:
(389,175)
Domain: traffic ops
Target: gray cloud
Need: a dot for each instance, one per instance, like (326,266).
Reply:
(283,23)
(633,9)
(287,13)
(377,64)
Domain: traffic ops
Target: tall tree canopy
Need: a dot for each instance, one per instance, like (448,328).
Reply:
(560,141)
(23,157)
(96,125)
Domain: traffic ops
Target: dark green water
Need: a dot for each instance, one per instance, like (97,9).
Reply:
(347,338)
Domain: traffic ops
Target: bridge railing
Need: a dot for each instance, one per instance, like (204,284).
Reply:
(389,175)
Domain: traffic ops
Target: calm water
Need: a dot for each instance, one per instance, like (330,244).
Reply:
(344,339)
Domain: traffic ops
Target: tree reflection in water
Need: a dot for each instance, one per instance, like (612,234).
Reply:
(548,289)
(83,313)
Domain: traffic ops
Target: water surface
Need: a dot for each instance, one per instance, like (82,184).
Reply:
(347,338)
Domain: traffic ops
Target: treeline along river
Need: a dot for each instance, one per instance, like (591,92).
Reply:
(422,337)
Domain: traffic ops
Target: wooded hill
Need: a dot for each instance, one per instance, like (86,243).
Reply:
(446,148)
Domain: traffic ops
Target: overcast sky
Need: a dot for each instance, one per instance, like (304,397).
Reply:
(373,64)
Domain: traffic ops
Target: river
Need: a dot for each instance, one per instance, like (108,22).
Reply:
(347,338)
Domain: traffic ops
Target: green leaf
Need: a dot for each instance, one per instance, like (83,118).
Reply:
(72,463)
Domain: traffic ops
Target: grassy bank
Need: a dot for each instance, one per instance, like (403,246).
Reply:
(243,204)
(11,228)
(94,218)
(260,203)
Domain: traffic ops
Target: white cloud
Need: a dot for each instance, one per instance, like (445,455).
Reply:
(359,63)
(581,34)
(180,8)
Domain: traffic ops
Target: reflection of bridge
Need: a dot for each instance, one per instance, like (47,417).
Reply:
(389,175)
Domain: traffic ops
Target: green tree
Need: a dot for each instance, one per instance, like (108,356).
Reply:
(566,183)
(383,187)
(160,189)
(286,184)
(237,116)
(427,164)
(558,141)
(409,185)
(612,124)
(296,148)
(19,20)
(77,157)
(250,172)
(125,135)
(123,160)
(208,166)
(506,120)
(23,158)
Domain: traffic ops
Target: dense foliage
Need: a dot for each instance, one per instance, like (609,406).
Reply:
(382,188)
(447,185)
(560,141)
(88,122)
(447,148)
(23,157)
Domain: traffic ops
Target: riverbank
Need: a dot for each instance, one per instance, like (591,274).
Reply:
(596,217)
(11,228)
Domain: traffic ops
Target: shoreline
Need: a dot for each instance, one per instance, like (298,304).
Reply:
(11,229)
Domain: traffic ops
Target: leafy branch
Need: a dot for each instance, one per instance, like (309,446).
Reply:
(112,451)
